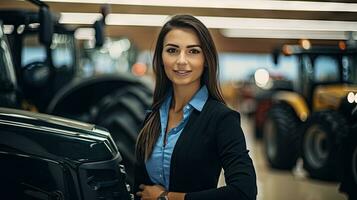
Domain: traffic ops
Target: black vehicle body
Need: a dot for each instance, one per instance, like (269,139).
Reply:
(48,157)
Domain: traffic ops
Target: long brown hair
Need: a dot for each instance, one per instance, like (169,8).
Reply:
(151,129)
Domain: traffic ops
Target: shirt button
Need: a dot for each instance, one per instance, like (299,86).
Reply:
(187,107)
(160,176)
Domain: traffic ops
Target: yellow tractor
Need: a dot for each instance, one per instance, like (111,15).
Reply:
(316,119)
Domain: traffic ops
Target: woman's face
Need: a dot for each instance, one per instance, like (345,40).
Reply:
(183,57)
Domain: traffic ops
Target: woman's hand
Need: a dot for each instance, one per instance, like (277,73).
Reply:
(150,192)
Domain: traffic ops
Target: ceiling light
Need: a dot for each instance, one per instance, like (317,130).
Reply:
(277,24)
(79,18)
(285,34)
(136,19)
(233,4)
(233,26)
(213,22)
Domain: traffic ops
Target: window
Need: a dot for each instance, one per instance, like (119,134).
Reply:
(326,69)
(63,51)
(32,50)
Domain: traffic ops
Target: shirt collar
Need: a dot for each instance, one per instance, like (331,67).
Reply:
(199,99)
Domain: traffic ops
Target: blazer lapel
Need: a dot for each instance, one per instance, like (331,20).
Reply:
(186,132)
(184,139)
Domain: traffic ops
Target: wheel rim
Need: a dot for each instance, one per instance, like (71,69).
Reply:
(354,164)
(316,146)
(271,145)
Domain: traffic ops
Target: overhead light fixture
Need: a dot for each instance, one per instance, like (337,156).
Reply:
(136,19)
(285,34)
(79,18)
(214,22)
(277,24)
(233,4)
(233,26)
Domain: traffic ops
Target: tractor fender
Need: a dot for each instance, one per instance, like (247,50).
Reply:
(296,101)
(80,94)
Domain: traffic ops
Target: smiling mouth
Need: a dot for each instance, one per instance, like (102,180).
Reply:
(182,72)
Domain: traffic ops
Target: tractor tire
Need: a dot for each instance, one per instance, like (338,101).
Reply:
(348,175)
(122,113)
(281,137)
(322,135)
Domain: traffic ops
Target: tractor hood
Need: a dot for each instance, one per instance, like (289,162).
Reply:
(55,138)
(330,96)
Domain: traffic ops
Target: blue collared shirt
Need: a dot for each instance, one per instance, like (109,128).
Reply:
(158,165)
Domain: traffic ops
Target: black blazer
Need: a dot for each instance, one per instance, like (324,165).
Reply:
(211,139)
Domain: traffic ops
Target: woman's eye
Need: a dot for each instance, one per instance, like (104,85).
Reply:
(171,50)
(195,51)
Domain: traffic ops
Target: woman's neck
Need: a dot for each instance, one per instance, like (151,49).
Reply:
(182,95)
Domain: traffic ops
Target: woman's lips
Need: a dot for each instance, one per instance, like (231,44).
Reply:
(182,73)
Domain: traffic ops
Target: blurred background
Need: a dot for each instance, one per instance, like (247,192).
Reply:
(289,67)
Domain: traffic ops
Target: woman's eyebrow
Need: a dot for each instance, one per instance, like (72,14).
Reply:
(174,45)
(193,45)
(188,46)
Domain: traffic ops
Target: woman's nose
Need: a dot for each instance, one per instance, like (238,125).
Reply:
(182,58)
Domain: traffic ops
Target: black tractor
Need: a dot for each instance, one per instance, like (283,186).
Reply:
(47,79)
(48,157)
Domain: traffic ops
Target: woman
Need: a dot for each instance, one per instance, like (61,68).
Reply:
(190,134)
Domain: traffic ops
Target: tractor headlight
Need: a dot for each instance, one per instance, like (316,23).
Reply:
(352,97)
